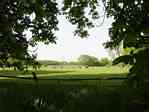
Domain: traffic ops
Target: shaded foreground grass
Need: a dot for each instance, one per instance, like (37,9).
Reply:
(47,72)
(59,92)
(27,97)
(66,76)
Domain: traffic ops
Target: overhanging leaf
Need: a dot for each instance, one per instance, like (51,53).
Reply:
(126,59)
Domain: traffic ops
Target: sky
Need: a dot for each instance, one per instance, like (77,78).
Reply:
(70,47)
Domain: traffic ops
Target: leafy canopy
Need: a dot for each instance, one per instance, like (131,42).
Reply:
(87,60)
(40,17)
(105,62)
(131,26)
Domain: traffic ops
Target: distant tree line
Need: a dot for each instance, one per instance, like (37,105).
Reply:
(51,62)
(84,60)
(87,60)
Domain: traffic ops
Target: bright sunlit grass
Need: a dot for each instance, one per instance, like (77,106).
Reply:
(48,72)
(9,76)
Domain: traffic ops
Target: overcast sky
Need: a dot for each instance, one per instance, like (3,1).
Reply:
(69,47)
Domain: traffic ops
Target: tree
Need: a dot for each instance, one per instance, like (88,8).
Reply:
(105,61)
(40,18)
(15,19)
(131,26)
(87,60)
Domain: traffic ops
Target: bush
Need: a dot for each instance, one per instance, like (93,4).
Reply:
(87,60)
(105,61)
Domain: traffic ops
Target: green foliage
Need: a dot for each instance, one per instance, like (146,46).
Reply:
(130,27)
(17,16)
(76,14)
(105,61)
(128,51)
(88,60)
(131,23)
(54,99)
(51,62)
(127,59)
(39,17)
(45,98)
(73,63)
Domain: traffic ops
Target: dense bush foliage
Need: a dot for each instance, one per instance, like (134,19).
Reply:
(40,18)
(105,61)
(73,99)
(84,60)
(130,27)
(87,60)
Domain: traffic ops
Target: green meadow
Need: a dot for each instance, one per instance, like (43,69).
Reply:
(65,72)
(65,75)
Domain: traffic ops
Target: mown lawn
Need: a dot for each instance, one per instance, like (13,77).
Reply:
(91,72)
(56,87)
(64,76)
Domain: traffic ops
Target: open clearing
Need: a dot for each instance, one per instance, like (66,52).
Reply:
(65,76)
(91,72)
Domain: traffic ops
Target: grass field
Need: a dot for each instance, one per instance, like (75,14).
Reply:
(48,72)
(56,87)
(64,76)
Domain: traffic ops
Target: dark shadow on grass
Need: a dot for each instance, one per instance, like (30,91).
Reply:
(14,77)
(13,73)
(114,80)
(85,76)
(52,71)
(121,76)
(73,76)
